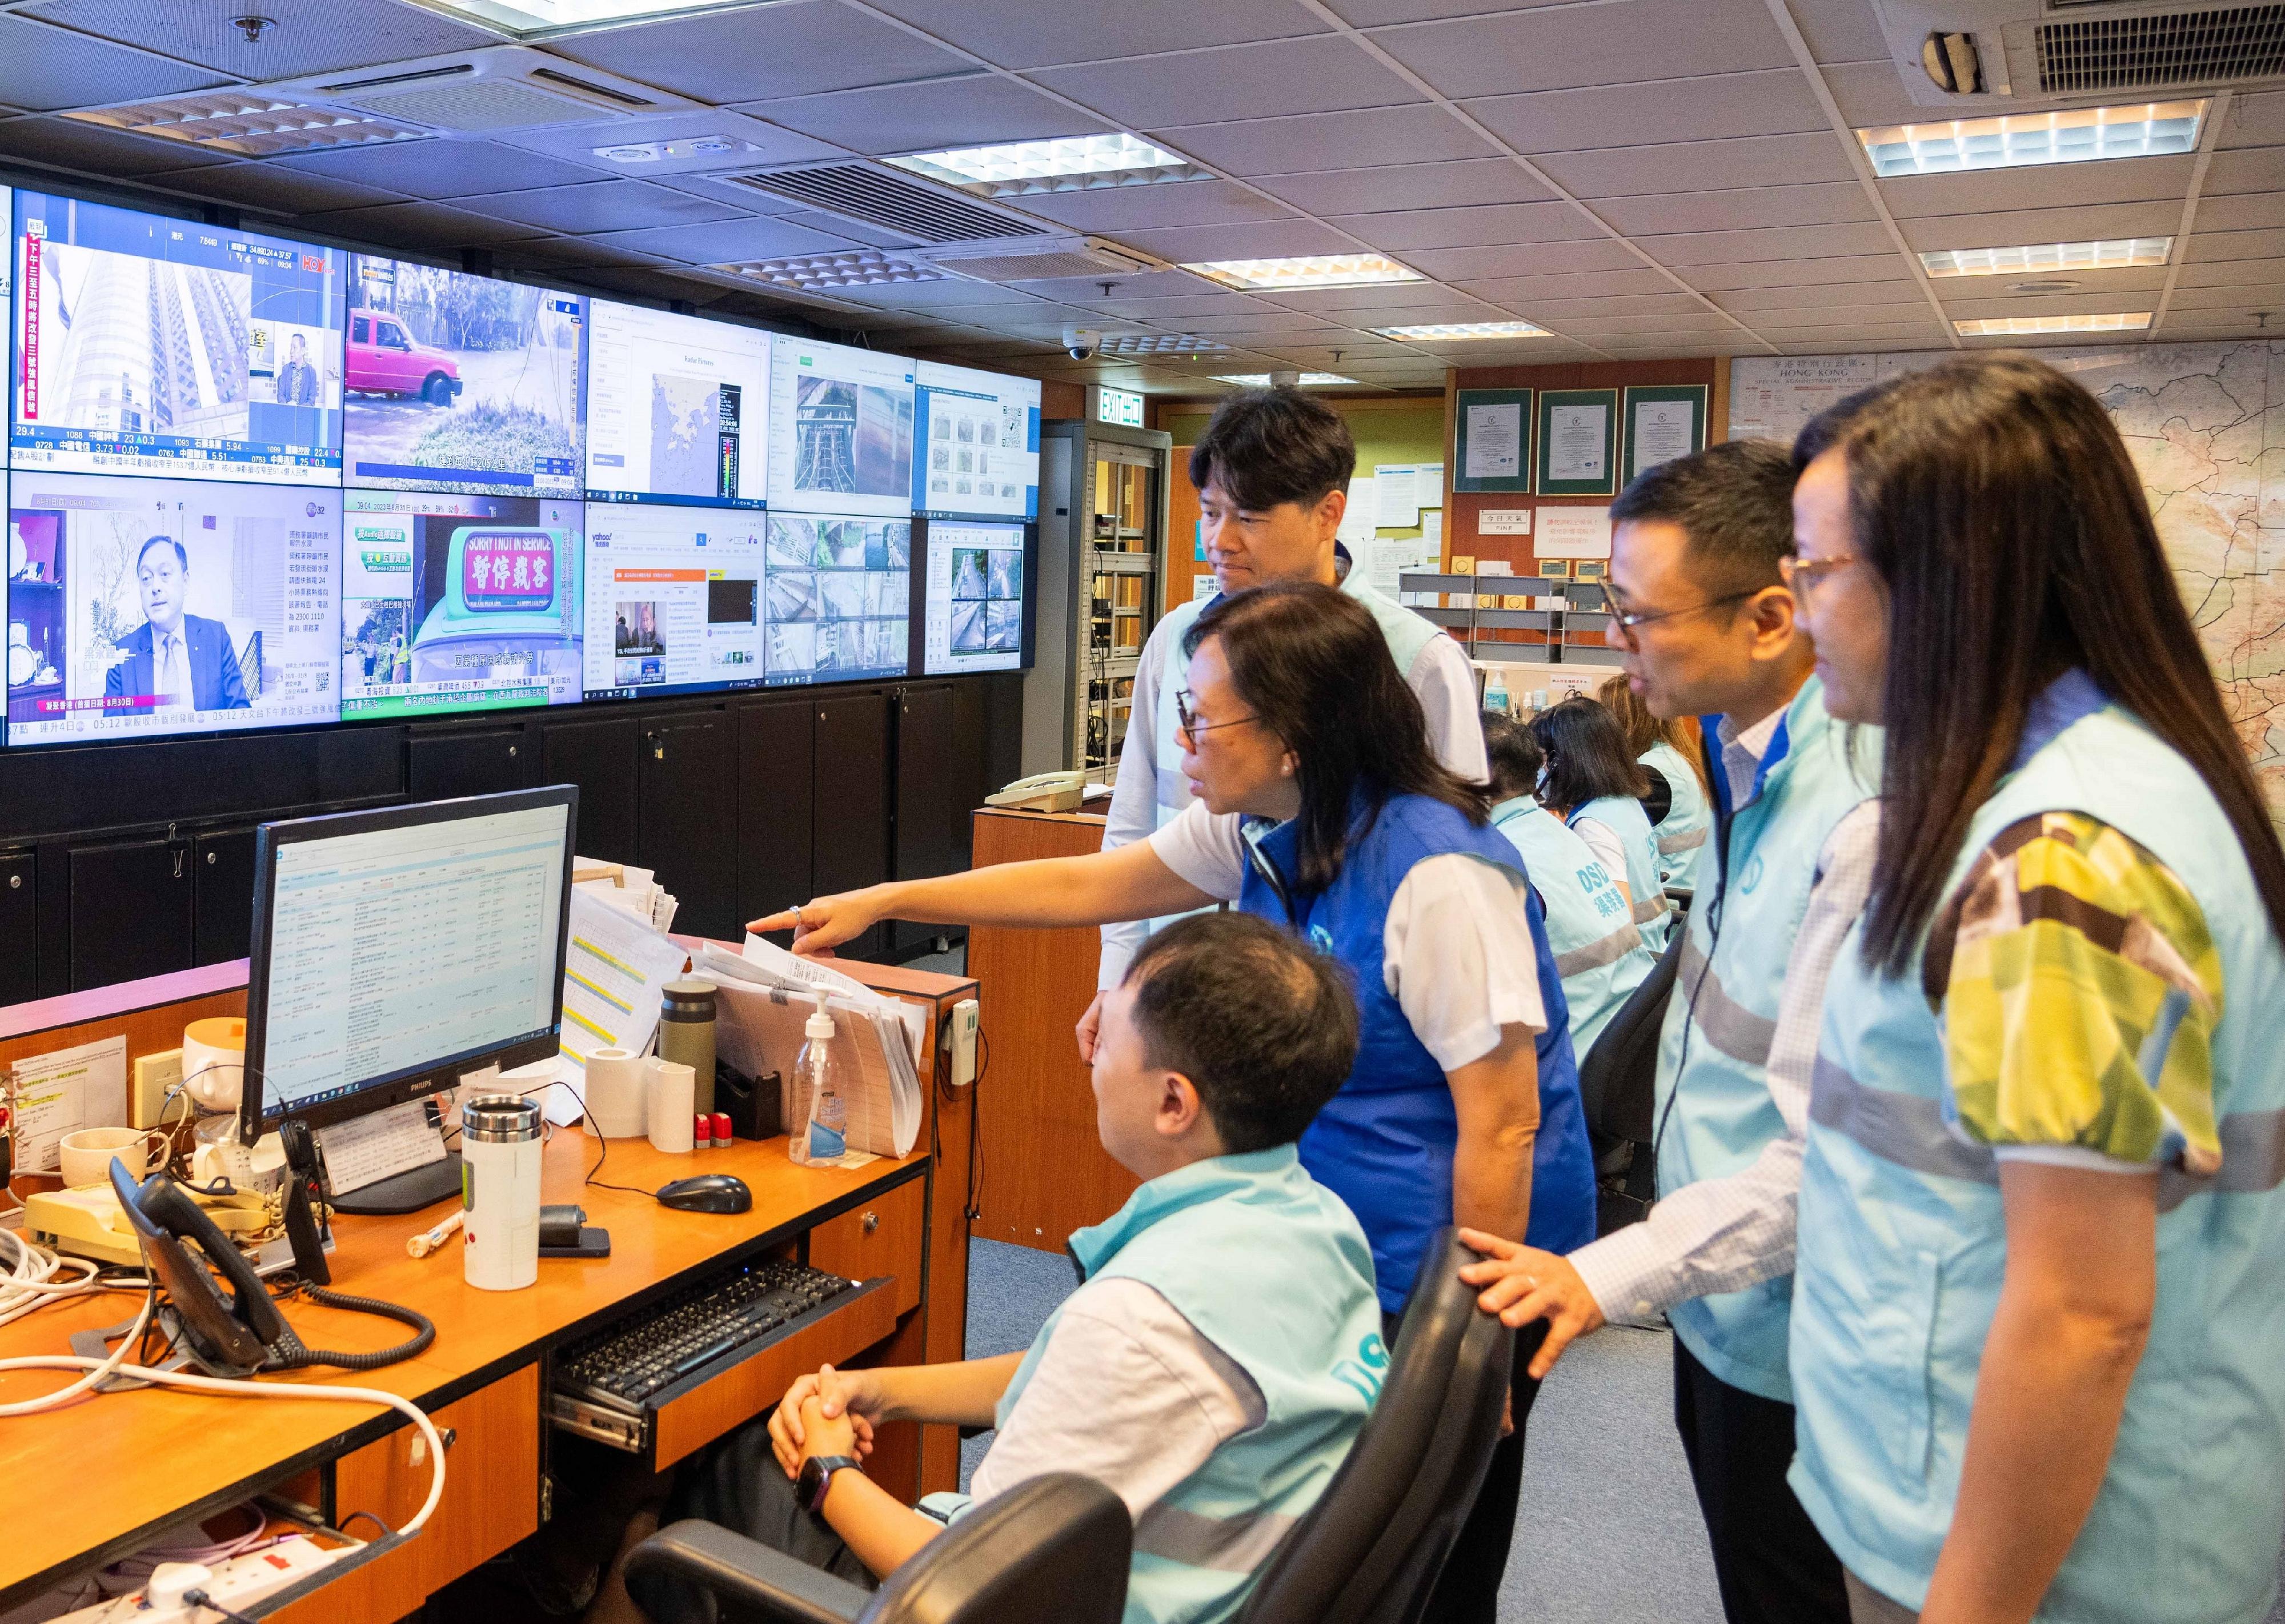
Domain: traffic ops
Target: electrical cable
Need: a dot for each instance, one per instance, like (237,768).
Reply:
(100,1370)
(424,1332)
(31,1281)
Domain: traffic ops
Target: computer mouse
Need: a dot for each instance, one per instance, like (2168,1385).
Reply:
(711,1192)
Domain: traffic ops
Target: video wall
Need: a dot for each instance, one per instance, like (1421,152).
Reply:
(252,482)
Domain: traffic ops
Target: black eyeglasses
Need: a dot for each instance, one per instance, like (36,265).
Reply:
(1188,726)
(1629,620)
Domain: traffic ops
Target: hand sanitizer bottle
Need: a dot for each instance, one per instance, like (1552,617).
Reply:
(1496,691)
(822,1135)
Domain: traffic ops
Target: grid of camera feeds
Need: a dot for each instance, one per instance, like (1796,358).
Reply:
(254,482)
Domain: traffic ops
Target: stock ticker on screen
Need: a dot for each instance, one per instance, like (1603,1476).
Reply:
(455,603)
(673,600)
(462,383)
(142,608)
(977,442)
(678,408)
(974,619)
(836,597)
(151,345)
(841,422)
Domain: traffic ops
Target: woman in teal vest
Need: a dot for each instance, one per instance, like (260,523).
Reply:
(2037,1345)
(1599,953)
(1596,787)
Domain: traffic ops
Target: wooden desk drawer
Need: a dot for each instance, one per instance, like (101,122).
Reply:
(491,1499)
(747,1390)
(880,1237)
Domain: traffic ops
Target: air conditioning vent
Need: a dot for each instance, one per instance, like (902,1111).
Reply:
(1041,257)
(876,196)
(2215,46)
(483,93)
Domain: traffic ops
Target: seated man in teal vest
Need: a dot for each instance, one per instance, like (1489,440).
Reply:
(1222,1351)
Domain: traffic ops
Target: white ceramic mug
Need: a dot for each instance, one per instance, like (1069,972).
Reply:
(87,1154)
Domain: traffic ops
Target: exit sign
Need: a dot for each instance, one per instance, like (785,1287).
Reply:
(1123,407)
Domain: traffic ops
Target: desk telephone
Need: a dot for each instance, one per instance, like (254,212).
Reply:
(1043,792)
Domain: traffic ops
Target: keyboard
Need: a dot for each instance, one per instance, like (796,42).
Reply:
(604,1386)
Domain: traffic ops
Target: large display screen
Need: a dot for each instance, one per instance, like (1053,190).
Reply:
(462,383)
(453,603)
(973,620)
(841,429)
(674,600)
(150,345)
(150,608)
(978,439)
(678,408)
(836,597)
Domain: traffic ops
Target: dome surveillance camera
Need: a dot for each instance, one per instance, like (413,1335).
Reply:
(1082,343)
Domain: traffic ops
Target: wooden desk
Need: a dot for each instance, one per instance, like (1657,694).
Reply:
(97,1479)
(1045,1172)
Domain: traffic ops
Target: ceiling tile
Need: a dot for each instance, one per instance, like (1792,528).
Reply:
(1976,304)
(442,168)
(2235,245)
(577,143)
(1872,93)
(1576,285)
(1258,322)
(930,295)
(970,110)
(419,228)
(574,252)
(2254,121)
(1804,272)
(1840,30)
(305,36)
(2266,273)
(1570,312)
(1845,296)
(2242,211)
(1473,183)
(1374,306)
(1700,320)
(2267,295)
(1311,142)
(43,68)
(273,189)
(1566,47)
(1811,316)
(2085,224)
(1094,30)
(1188,245)
(1775,102)
(1327,75)
(599,206)
(791,48)
(1759,208)
(1149,288)
(1115,210)
(1782,242)
(1470,228)
(1473,265)
(103,151)
(2250,169)
(727,240)
(1166,311)
(1986,191)
(1790,162)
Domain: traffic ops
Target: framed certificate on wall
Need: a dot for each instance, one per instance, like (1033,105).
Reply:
(1663,421)
(1578,441)
(1492,441)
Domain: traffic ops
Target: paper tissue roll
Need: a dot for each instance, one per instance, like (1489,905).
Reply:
(617,1107)
(213,1062)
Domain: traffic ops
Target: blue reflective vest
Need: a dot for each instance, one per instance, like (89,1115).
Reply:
(1598,952)
(1384,1142)
(1653,913)
(1902,1244)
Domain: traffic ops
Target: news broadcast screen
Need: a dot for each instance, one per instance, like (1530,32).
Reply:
(836,597)
(151,345)
(150,608)
(678,408)
(456,603)
(673,600)
(978,442)
(841,429)
(462,383)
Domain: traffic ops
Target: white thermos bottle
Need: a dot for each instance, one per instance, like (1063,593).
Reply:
(500,1191)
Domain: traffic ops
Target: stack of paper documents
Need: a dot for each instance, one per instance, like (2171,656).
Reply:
(633,891)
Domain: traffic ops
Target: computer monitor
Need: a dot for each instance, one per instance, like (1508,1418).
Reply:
(396,951)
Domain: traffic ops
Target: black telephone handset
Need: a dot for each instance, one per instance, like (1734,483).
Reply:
(241,1332)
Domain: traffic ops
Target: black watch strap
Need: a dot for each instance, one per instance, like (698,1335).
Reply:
(817,1477)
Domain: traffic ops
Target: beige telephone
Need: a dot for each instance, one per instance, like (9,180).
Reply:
(1043,792)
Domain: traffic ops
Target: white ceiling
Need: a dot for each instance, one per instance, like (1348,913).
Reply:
(1643,178)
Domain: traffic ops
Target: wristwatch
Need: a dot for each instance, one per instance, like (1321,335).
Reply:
(817,1477)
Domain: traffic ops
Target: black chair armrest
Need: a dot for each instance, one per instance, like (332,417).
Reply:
(739,1570)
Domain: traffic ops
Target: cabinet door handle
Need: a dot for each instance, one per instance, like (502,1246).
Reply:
(15,881)
(511,750)
(870,1222)
(212,859)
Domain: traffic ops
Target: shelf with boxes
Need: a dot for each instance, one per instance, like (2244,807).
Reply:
(1565,609)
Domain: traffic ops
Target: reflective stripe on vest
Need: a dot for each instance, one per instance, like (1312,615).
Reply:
(1689,840)
(1599,952)
(1228,1544)
(1727,1024)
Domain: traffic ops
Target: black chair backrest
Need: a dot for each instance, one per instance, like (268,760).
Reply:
(1368,1551)
(1618,1079)
(1660,800)
(1055,1550)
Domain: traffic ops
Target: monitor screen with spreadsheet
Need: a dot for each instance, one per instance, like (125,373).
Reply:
(395,950)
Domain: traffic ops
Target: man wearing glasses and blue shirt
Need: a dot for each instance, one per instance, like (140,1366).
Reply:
(1272,471)
(1698,586)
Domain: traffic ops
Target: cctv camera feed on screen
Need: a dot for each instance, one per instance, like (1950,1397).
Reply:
(152,608)
(455,603)
(979,443)
(836,597)
(149,345)
(975,614)
(678,408)
(841,429)
(674,600)
(462,383)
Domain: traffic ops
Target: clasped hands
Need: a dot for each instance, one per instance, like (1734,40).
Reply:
(830,1412)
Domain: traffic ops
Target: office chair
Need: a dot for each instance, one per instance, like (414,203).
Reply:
(1618,1094)
(1369,1550)
(1053,1550)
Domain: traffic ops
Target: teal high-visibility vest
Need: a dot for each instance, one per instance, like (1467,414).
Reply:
(1599,953)
(1689,822)
(1902,1244)
(1653,913)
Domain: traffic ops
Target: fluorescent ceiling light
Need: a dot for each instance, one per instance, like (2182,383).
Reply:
(1999,326)
(823,272)
(2111,255)
(2146,130)
(249,123)
(528,17)
(1439,331)
(1070,163)
(1159,344)
(1260,381)
(1308,271)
